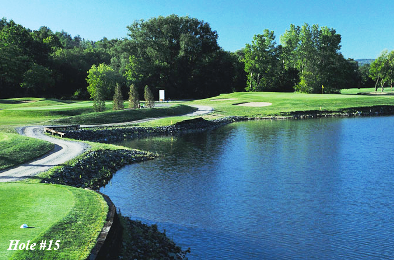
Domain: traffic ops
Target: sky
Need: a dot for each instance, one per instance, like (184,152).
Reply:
(366,26)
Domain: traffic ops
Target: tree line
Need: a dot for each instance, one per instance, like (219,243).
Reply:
(44,63)
(178,54)
(308,60)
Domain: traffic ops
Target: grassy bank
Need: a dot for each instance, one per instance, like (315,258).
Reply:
(72,216)
(94,168)
(139,241)
(17,149)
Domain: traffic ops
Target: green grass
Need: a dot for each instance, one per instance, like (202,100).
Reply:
(354,91)
(56,213)
(42,112)
(283,103)
(17,112)
(51,111)
(27,102)
(17,149)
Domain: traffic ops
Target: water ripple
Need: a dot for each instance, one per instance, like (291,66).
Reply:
(314,189)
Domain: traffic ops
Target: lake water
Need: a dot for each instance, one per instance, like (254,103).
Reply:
(310,189)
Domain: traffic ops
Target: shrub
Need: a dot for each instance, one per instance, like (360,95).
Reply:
(149,98)
(98,101)
(134,101)
(118,98)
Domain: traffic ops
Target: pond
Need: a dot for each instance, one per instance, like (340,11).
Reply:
(320,188)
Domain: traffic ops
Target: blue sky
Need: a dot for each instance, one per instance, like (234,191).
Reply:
(366,26)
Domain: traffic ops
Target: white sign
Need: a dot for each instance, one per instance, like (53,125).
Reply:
(161,95)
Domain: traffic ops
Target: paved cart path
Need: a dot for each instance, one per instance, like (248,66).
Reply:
(64,150)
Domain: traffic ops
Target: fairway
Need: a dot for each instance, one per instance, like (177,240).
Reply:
(48,210)
(282,103)
(21,112)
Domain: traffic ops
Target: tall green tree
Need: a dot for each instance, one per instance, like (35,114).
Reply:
(261,61)
(70,67)
(315,52)
(37,81)
(390,74)
(120,52)
(382,69)
(365,79)
(173,53)
(264,65)
(45,42)
(101,81)
(238,64)
(15,56)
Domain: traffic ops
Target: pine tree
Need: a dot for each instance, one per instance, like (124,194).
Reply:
(149,98)
(98,101)
(134,100)
(118,98)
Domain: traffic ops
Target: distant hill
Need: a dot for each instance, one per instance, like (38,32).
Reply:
(364,61)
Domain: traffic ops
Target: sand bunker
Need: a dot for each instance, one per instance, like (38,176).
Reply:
(255,104)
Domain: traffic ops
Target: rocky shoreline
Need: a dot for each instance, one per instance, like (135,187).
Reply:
(112,134)
(349,112)
(116,134)
(94,169)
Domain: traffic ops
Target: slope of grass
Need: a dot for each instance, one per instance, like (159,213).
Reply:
(17,149)
(73,217)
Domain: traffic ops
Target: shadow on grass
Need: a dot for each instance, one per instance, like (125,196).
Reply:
(4,161)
